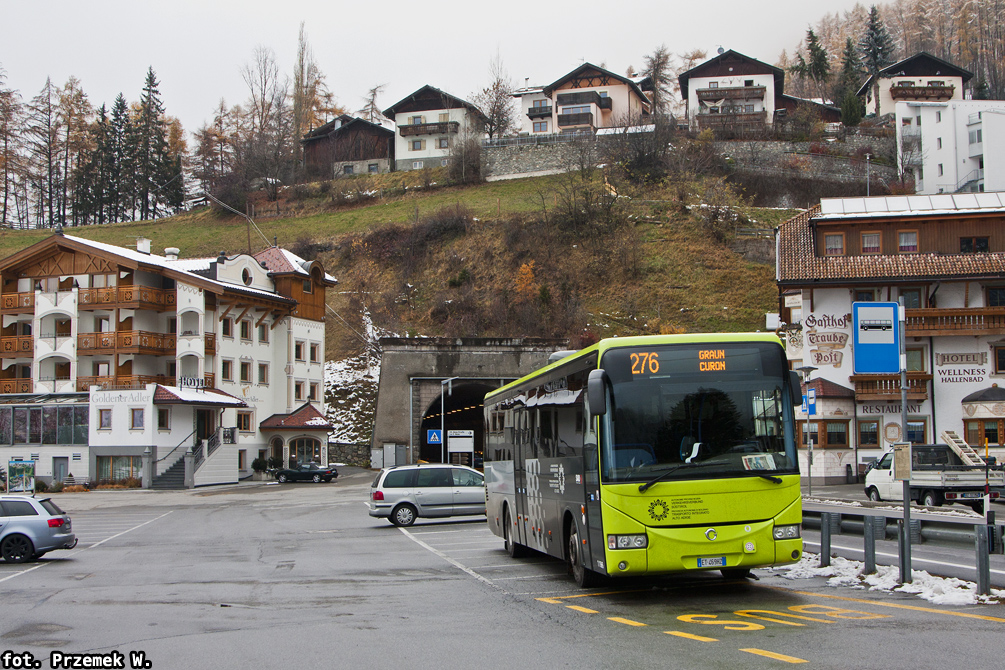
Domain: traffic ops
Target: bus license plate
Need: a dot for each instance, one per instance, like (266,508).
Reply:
(714,562)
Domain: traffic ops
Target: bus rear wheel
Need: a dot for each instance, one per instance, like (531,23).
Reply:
(513,548)
(584,577)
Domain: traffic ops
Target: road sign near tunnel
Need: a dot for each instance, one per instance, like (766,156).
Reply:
(434,436)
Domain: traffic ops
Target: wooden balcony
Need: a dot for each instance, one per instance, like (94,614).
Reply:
(974,321)
(17,303)
(887,387)
(539,112)
(732,93)
(16,385)
(922,92)
(440,128)
(126,342)
(130,381)
(127,297)
(570,120)
(20,346)
(210,344)
(584,98)
(731,120)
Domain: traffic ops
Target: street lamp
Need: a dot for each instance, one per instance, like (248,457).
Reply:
(868,179)
(449,384)
(807,370)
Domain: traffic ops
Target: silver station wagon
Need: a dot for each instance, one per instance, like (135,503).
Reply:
(406,492)
(30,527)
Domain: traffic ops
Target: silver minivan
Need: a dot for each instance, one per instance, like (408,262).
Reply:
(405,492)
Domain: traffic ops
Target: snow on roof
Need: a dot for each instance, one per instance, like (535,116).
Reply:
(910,205)
(176,394)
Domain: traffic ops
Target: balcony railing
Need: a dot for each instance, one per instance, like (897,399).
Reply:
(17,302)
(731,119)
(732,93)
(976,321)
(210,343)
(127,342)
(538,112)
(568,120)
(20,346)
(429,128)
(135,297)
(16,385)
(584,98)
(129,381)
(922,92)
(887,387)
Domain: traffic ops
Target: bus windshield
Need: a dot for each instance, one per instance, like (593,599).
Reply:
(697,410)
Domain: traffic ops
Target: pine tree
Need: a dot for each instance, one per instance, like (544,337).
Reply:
(118,160)
(850,77)
(876,51)
(151,147)
(818,69)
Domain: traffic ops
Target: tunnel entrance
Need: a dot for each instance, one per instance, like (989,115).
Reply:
(462,411)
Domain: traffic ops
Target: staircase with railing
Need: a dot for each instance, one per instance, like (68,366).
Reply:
(174,476)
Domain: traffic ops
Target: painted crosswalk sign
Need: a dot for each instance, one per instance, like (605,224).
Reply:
(434,436)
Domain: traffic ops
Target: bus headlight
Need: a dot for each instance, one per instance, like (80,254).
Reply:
(787,532)
(627,541)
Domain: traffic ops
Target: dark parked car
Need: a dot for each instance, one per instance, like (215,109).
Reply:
(30,527)
(308,472)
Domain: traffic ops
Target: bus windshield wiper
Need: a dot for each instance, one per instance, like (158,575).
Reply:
(771,478)
(643,487)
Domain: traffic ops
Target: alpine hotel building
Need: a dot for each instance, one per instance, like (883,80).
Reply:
(109,353)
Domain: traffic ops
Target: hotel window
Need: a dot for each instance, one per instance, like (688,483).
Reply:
(105,418)
(308,288)
(246,330)
(996,296)
(978,431)
(868,433)
(443,143)
(865,295)
(910,297)
(837,433)
(136,419)
(263,373)
(579,109)
(824,433)
(834,244)
(298,351)
(713,84)
(540,126)
(811,435)
(315,353)
(314,393)
(748,82)
(974,245)
(246,372)
(938,142)
(417,145)
(907,241)
(998,354)
(940,169)
(416,120)
(416,165)
(244,422)
(748,108)
(915,359)
(263,333)
(871,243)
(916,431)
(938,117)
(542,103)
(227,327)
(227,370)
(163,419)
(298,391)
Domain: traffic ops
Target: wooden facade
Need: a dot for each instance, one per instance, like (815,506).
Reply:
(346,140)
(938,235)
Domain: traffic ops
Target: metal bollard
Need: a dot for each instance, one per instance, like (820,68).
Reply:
(825,539)
(983,560)
(869,523)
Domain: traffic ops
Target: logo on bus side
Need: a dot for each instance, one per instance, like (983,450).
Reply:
(658,509)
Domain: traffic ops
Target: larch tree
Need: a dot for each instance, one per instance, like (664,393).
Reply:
(75,111)
(658,67)
(370,111)
(44,140)
(10,136)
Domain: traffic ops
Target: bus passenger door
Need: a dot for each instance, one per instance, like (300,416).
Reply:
(591,495)
(521,453)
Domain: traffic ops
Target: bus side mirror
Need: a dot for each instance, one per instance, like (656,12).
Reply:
(596,392)
(795,387)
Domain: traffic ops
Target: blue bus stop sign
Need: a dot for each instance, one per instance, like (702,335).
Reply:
(434,436)
(877,337)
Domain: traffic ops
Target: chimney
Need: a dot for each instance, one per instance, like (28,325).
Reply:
(143,245)
(171,253)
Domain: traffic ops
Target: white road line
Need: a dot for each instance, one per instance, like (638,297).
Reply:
(914,559)
(483,543)
(514,564)
(96,544)
(448,559)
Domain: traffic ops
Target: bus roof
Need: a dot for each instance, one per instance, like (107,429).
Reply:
(638,341)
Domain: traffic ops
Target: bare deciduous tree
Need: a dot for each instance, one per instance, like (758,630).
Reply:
(370,111)
(496,101)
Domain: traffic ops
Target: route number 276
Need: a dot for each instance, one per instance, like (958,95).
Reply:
(645,362)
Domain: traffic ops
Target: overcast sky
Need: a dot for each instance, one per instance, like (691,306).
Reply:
(198,47)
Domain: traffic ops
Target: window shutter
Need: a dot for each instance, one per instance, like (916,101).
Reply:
(423,145)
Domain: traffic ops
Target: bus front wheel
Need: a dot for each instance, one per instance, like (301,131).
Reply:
(584,577)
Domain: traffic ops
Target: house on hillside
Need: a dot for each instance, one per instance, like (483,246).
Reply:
(952,146)
(348,145)
(943,258)
(919,78)
(585,99)
(734,93)
(429,122)
(116,362)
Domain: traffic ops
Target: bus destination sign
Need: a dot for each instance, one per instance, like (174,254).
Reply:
(711,360)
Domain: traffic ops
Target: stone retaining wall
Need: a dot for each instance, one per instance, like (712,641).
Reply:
(350,454)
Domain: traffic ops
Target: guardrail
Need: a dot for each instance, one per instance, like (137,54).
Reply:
(986,536)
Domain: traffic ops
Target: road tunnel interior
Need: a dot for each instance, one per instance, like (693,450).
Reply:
(462,410)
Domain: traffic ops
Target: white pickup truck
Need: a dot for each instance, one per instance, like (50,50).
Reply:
(938,476)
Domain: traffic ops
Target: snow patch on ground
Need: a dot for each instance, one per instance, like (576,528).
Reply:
(351,391)
(848,573)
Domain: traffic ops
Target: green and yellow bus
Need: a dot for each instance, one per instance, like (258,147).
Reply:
(649,455)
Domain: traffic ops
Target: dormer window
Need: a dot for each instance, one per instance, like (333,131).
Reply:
(308,287)
(246,276)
